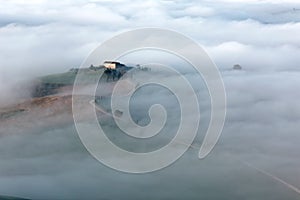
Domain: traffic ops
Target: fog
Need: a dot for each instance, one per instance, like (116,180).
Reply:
(261,129)
(261,132)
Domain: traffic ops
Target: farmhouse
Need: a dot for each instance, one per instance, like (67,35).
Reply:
(115,70)
(113,65)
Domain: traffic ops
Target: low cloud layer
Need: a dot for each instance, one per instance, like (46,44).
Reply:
(48,36)
(262,126)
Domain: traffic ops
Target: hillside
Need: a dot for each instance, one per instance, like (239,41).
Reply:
(48,85)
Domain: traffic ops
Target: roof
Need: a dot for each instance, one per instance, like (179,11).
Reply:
(111,62)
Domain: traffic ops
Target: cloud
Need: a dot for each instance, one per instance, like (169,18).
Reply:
(256,58)
(42,37)
(44,34)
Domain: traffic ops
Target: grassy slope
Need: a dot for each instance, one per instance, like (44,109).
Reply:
(68,78)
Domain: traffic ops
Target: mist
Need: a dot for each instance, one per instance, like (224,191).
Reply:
(42,156)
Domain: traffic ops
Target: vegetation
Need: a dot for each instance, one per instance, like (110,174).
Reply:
(68,78)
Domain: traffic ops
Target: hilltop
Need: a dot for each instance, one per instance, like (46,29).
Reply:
(110,70)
